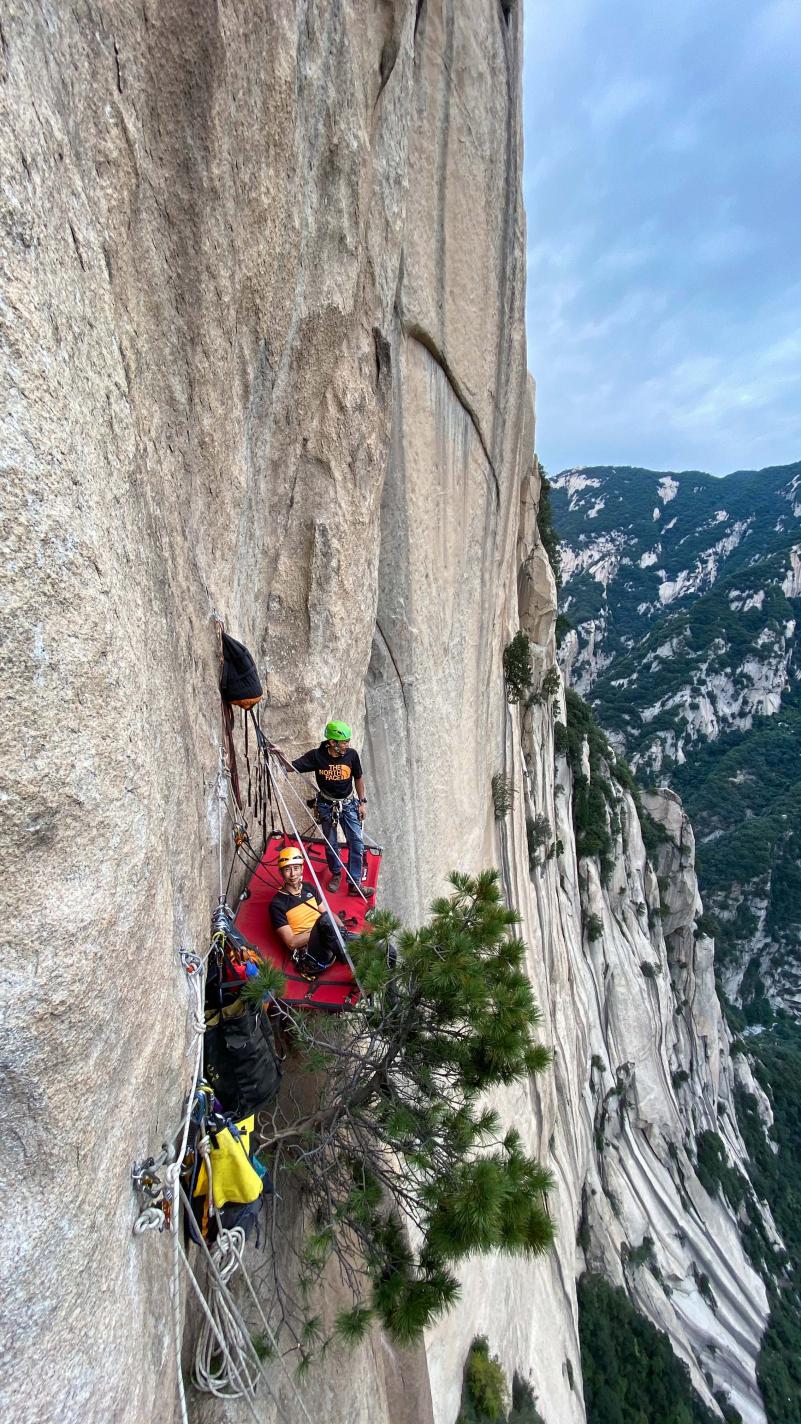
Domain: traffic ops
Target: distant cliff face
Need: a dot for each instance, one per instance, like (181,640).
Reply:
(684,594)
(681,589)
(265,357)
(642,1065)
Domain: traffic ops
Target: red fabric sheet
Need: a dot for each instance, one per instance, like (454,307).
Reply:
(336,987)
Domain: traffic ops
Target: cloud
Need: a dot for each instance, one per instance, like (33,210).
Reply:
(775,30)
(661,188)
(619,100)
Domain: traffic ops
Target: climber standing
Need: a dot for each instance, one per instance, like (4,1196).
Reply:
(341,802)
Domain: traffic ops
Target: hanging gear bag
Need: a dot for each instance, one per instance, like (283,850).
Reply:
(241,1062)
(240,684)
(239,1181)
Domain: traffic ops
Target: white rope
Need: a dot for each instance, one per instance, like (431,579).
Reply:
(245,1392)
(194,964)
(152,1218)
(197,977)
(223,1324)
(223,1332)
(320,891)
(226,1363)
(274,1342)
(235,1245)
(222,809)
(146,1220)
(172,1176)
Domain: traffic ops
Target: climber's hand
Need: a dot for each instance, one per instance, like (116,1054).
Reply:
(279,756)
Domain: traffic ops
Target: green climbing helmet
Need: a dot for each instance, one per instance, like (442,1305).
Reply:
(337,732)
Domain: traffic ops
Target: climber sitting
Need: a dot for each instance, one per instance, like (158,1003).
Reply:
(301,924)
(338,770)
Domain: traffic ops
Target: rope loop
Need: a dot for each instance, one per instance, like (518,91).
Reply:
(151,1219)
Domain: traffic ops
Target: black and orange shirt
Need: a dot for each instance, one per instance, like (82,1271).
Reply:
(301,912)
(334,775)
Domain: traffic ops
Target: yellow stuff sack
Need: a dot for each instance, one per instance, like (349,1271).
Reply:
(233,1179)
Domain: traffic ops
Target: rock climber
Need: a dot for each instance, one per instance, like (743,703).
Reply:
(301,924)
(340,801)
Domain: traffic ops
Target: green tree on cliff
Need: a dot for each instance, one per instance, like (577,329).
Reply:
(401,1171)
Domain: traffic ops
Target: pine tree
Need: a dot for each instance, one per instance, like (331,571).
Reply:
(402,1170)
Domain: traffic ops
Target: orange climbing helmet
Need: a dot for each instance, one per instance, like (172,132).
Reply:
(290,855)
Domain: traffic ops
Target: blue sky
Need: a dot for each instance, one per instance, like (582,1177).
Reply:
(663,199)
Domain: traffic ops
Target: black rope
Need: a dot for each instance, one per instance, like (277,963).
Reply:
(269,781)
(228,725)
(253,861)
(265,787)
(247,764)
(263,793)
(230,874)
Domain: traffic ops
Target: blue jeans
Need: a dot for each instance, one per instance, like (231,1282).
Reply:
(352,828)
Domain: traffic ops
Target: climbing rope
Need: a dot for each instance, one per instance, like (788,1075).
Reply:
(173,1178)
(163,1207)
(158,1179)
(320,891)
(334,846)
(230,1363)
(146,1176)
(226,1362)
(222,807)
(222,1333)
(232,1253)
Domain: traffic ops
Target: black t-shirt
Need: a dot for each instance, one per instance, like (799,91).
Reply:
(334,775)
(301,912)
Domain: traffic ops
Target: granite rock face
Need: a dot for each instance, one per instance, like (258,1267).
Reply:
(203,216)
(248,257)
(264,357)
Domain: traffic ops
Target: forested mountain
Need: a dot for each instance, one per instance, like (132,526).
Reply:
(680,603)
(684,594)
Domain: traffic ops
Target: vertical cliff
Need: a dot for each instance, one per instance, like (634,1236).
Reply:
(264,355)
(249,254)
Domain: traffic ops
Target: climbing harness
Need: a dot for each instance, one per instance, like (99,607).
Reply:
(320,796)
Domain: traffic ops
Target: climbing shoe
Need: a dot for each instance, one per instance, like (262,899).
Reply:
(365,893)
(335,882)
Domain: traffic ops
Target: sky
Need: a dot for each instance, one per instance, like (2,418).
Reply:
(663,200)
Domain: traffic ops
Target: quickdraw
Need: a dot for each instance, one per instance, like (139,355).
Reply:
(156,1194)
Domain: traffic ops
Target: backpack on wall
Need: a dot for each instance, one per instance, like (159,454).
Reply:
(241,1060)
(240,684)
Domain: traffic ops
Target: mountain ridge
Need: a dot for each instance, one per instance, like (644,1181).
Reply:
(685,595)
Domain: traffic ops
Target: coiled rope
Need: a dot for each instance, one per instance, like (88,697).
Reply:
(225,1324)
(222,1334)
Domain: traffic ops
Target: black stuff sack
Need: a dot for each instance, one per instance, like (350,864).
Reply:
(241,1062)
(240,684)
